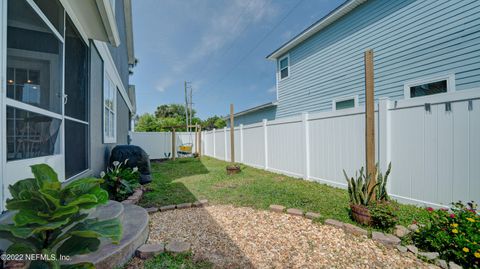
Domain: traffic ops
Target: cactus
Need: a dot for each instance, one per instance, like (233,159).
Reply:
(358,190)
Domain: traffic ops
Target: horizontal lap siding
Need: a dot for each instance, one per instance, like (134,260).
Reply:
(410,39)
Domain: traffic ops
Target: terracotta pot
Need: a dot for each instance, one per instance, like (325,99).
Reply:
(361,214)
(233,169)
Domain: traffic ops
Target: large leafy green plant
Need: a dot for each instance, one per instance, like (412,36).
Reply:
(50,218)
(120,181)
(358,190)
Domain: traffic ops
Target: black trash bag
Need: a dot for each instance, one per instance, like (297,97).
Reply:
(136,156)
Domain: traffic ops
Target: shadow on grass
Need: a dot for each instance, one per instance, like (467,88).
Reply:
(198,228)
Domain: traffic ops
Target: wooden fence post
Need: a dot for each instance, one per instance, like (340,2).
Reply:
(173,143)
(232,136)
(370,118)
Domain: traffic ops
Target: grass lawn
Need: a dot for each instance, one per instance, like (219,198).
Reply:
(188,180)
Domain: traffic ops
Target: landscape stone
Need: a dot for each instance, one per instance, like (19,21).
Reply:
(402,249)
(401,231)
(335,223)
(413,227)
(148,251)
(177,246)
(453,265)
(200,203)
(350,228)
(295,212)
(167,207)
(389,240)
(184,205)
(428,255)
(312,215)
(151,210)
(128,202)
(441,263)
(412,249)
(277,208)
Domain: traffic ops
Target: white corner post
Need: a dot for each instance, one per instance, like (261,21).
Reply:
(306,136)
(213,133)
(241,143)
(265,140)
(226,143)
(384,106)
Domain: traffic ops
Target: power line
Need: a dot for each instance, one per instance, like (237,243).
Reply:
(257,44)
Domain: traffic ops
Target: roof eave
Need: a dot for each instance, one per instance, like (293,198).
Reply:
(257,108)
(336,14)
(129,31)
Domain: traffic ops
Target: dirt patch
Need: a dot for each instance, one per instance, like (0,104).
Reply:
(231,237)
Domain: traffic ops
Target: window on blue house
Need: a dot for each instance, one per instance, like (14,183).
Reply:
(429,86)
(344,103)
(283,67)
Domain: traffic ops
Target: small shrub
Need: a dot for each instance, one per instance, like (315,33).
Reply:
(50,219)
(384,214)
(120,181)
(454,234)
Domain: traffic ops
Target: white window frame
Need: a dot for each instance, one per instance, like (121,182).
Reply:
(279,73)
(345,98)
(450,78)
(109,139)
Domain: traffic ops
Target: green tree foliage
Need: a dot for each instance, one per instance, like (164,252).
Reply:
(51,219)
(173,115)
(214,122)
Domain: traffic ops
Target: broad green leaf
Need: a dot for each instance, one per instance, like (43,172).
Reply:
(92,228)
(78,245)
(34,203)
(46,177)
(52,196)
(79,187)
(84,199)
(64,211)
(51,226)
(21,232)
(22,185)
(24,217)
(21,248)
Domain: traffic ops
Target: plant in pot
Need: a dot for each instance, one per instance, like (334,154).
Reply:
(362,196)
(50,219)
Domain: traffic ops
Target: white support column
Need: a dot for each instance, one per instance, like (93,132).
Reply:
(214,155)
(306,136)
(241,143)
(265,139)
(384,106)
(226,143)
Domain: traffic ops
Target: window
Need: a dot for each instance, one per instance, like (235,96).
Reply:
(283,65)
(109,111)
(429,86)
(34,79)
(345,102)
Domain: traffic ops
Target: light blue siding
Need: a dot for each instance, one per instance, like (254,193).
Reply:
(411,40)
(254,117)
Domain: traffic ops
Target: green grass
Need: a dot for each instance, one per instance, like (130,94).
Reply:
(181,261)
(188,180)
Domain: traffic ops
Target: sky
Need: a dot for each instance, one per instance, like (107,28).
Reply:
(219,46)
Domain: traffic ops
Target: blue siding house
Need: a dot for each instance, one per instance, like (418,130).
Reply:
(421,47)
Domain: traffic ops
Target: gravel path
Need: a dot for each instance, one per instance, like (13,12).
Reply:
(232,237)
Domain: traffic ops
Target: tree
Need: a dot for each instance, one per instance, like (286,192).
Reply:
(147,123)
(172,111)
(214,122)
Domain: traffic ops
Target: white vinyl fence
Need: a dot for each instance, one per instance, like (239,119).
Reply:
(432,142)
(158,145)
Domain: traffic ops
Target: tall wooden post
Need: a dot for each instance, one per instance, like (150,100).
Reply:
(232,136)
(370,118)
(173,143)
(199,140)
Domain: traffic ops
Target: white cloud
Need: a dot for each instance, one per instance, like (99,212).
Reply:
(163,84)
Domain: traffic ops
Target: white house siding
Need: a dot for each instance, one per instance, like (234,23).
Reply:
(411,40)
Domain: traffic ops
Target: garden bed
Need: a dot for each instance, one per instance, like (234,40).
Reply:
(240,237)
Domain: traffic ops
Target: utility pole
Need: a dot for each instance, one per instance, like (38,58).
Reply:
(186,104)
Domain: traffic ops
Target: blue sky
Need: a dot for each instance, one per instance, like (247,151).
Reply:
(217,45)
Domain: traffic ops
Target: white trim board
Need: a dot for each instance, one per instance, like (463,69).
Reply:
(3,107)
(111,69)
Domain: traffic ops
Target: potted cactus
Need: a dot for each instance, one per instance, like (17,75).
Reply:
(361,195)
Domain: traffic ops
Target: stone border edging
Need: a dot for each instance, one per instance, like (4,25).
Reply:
(200,203)
(388,240)
(135,197)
